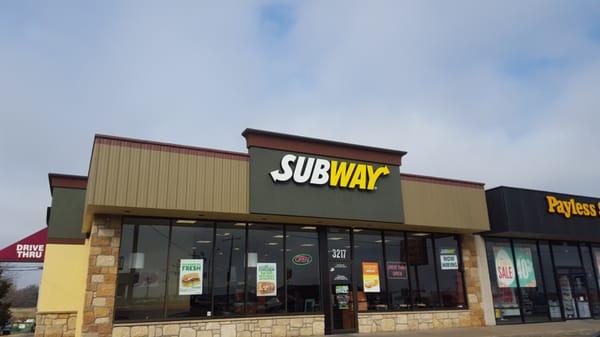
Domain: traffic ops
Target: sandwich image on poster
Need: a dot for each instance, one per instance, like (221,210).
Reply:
(266,279)
(190,276)
(370,273)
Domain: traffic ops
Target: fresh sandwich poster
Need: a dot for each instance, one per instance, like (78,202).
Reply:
(190,276)
(266,279)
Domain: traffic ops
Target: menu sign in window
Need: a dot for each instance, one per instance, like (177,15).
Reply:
(266,279)
(396,270)
(370,273)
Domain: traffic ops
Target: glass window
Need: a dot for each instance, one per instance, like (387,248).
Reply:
(449,269)
(588,265)
(534,303)
(503,281)
(230,267)
(368,265)
(191,247)
(422,271)
(550,279)
(302,264)
(566,255)
(142,269)
(397,271)
(265,287)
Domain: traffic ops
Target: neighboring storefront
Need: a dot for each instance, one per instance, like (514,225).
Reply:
(297,237)
(544,255)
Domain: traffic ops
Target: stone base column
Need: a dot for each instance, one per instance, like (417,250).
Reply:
(472,281)
(55,324)
(101,286)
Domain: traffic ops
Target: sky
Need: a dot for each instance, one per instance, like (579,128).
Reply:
(505,92)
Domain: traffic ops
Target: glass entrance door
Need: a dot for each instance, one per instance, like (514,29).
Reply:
(342,311)
(574,294)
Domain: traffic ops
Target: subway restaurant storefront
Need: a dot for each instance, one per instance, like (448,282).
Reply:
(544,255)
(296,237)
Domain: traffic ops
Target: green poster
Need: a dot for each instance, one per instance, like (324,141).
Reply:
(525,268)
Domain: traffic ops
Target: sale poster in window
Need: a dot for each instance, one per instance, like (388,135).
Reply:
(370,273)
(525,268)
(266,279)
(190,276)
(505,268)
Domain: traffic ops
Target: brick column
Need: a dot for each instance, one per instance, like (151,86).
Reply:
(472,282)
(98,309)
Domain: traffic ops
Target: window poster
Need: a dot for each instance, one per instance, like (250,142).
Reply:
(266,279)
(370,273)
(190,276)
(505,269)
(396,270)
(525,268)
(448,259)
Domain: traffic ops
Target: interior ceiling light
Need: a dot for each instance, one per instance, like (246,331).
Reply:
(185,221)
(272,243)
(307,245)
(419,234)
(203,241)
(309,227)
(334,238)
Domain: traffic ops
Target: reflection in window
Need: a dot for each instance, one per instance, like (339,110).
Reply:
(422,270)
(503,281)
(191,242)
(142,269)
(368,266)
(449,272)
(535,304)
(266,292)
(230,264)
(397,271)
(591,279)
(551,290)
(302,264)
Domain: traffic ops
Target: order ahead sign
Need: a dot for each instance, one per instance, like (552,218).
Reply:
(299,184)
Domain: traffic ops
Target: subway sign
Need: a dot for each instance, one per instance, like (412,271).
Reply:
(570,207)
(335,173)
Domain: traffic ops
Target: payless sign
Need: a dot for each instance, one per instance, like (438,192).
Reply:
(298,184)
(570,207)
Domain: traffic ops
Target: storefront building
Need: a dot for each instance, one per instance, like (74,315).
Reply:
(544,255)
(297,237)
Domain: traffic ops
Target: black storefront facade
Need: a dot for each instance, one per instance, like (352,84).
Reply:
(543,254)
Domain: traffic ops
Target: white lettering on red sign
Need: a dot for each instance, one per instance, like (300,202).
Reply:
(30,251)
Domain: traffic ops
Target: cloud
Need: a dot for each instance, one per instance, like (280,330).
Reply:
(503,93)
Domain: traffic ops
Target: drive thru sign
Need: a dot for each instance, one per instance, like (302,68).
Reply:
(29,249)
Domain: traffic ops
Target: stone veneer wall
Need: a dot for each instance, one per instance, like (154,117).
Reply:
(55,324)
(418,320)
(101,285)
(286,326)
(412,320)
(472,281)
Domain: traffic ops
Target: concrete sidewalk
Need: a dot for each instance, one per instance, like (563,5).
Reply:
(588,328)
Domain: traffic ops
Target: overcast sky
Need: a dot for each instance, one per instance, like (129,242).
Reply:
(505,93)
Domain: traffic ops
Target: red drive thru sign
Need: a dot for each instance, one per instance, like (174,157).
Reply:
(29,249)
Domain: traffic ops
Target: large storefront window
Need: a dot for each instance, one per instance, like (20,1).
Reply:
(191,245)
(504,281)
(422,271)
(534,303)
(538,281)
(265,289)
(230,269)
(368,263)
(302,264)
(142,270)
(181,269)
(449,272)
(397,271)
